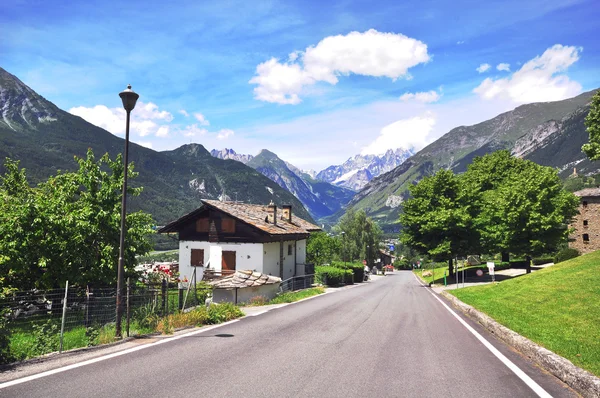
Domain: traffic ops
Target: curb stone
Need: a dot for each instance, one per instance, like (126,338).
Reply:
(582,381)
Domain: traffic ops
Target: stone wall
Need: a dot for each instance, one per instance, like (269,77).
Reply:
(589,213)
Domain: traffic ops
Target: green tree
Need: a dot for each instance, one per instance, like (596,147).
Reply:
(517,205)
(528,214)
(435,221)
(68,227)
(358,235)
(592,122)
(322,248)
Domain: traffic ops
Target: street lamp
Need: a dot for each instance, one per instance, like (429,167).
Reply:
(344,254)
(129,98)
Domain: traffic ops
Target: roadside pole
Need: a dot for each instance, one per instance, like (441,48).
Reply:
(62,326)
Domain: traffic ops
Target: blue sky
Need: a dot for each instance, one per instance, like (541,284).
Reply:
(316,82)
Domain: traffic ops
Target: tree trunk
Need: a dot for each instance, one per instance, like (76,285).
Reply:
(505,257)
(450,268)
(528,267)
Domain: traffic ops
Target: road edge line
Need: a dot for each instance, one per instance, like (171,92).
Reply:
(110,356)
(507,362)
(582,381)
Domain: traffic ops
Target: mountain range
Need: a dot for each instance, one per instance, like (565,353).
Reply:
(45,138)
(549,133)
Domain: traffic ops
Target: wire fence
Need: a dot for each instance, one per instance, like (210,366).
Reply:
(96,307)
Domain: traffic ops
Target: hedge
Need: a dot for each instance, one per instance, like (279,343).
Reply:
(329,275)
(355,268)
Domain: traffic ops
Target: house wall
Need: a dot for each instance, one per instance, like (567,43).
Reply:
(248,256)
(591,213)
(300,257)
(245,294)
(271,258)
(253,256)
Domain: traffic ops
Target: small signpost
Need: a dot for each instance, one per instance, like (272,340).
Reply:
(491,266)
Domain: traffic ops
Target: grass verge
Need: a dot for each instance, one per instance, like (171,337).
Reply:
(557,307)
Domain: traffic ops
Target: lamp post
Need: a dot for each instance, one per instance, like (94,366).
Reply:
(129,98)
(344,253)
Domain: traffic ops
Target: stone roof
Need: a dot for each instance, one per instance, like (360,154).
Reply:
(588,192)
(242,279)
(255,215)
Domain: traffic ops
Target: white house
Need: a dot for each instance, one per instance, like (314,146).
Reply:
(229,236)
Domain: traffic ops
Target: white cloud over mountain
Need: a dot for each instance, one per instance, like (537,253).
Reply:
(542,78)
(425,97)
(146,118)
(370,53)
(408,133)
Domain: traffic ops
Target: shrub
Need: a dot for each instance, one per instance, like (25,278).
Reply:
(566,254)
(223,312)
(147,316)
(542,260)
(5,354)
(329,275)
(47,337)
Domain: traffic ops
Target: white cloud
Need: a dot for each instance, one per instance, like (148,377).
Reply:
(224,134)
(146,144)
(193,131)
(184,112)
(408,133)
(145,118)
(503,67)
(483,67)
(200,117)
(458,43)
(371,53)
(163,131)
(280,83)
(540,79)
(425,97)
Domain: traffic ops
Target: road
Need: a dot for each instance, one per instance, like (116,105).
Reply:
(385,338)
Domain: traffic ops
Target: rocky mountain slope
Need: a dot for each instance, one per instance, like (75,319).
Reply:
(231,154)
(358,170)
(320,198)
(45,139)
(548,133)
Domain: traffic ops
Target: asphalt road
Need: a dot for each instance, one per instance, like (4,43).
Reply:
(386,338)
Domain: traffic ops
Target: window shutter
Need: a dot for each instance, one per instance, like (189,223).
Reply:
(197,258)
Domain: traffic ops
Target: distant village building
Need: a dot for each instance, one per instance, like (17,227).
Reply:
(586,237)
(223,237)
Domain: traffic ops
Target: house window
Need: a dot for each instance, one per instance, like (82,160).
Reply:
(586,238)
(228,225)
(202,225)
(290,250)
(584,203)
(197,258)
(585,223)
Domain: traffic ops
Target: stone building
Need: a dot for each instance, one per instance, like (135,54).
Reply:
(586,237)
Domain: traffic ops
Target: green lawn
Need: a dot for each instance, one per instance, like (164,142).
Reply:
(557,307)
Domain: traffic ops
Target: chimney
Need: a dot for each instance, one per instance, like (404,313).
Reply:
(272,213)
(287,213)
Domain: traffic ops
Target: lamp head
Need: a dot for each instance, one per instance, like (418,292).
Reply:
(129,98)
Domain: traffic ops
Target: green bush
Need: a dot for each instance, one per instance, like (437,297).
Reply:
(566,254)
(329,275)
(357,269)
(223,312)
(47,338)
(5,354)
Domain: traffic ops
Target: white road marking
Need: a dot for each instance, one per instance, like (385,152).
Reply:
(514,368)
(109,356)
